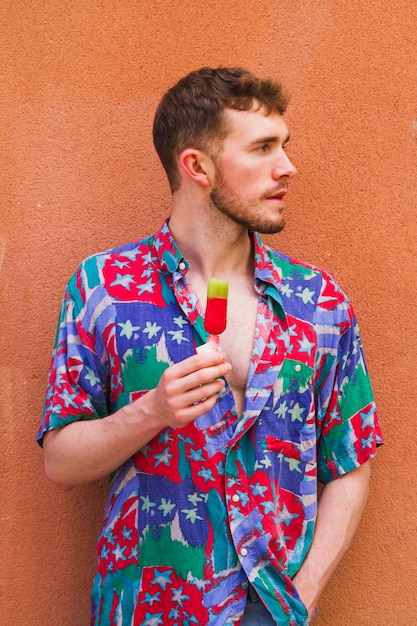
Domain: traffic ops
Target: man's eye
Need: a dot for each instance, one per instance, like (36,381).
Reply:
(263,148)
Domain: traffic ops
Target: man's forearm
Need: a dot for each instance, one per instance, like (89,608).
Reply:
(339,512)
(85,451)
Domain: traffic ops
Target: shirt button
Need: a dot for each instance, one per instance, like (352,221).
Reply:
(297,368)
(182,266)
(235,497)
(244,552)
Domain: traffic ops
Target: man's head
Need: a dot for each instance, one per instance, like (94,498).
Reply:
(191,112)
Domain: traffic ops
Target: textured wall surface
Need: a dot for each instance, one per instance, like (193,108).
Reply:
(80,82)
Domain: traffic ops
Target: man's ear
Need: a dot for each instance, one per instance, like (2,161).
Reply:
(197,165)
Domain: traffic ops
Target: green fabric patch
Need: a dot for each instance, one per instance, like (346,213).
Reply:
(142,373)
(296,376)
(91,271)
(356,393)
(163,551)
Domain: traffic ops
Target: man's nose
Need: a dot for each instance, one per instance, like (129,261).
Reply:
(284,168)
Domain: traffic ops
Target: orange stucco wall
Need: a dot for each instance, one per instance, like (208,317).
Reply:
(78,174)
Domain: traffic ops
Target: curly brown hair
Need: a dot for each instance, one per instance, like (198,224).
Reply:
(190,113)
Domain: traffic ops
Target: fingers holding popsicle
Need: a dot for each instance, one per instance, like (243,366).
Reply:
(187,389)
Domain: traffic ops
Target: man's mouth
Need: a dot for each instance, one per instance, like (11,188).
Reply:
(277,194)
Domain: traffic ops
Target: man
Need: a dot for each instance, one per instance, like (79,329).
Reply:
(214,457)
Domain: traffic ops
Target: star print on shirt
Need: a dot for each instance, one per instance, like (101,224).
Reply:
(120,335)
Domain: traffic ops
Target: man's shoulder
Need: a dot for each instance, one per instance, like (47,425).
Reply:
(293,268)
(130,250)
(306,285)
(111,264)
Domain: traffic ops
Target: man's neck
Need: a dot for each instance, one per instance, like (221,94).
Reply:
(217,247)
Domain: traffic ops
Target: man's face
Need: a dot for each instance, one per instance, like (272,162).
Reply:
(252,170)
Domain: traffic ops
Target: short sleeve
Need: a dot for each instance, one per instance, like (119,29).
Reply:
(350,430)
(76,387)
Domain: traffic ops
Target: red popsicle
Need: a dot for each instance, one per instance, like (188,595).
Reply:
(216,312)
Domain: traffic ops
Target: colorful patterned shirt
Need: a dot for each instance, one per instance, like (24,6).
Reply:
(200,510)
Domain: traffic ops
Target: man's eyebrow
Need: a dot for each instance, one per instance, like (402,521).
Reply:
(271,139)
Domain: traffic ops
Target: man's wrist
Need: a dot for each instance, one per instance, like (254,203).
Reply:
(139,417)
(308,593)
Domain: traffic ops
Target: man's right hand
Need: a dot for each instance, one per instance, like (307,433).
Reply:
(187,389)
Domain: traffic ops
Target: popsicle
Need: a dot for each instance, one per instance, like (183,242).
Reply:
(216,311)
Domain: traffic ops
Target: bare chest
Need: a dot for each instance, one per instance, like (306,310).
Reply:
(237,340)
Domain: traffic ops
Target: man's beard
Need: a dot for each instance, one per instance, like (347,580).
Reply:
(242,212)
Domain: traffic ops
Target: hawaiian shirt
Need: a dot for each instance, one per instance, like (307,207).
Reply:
(199,511)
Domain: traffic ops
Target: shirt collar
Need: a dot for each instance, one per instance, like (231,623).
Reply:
(170,256)
(268,277)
